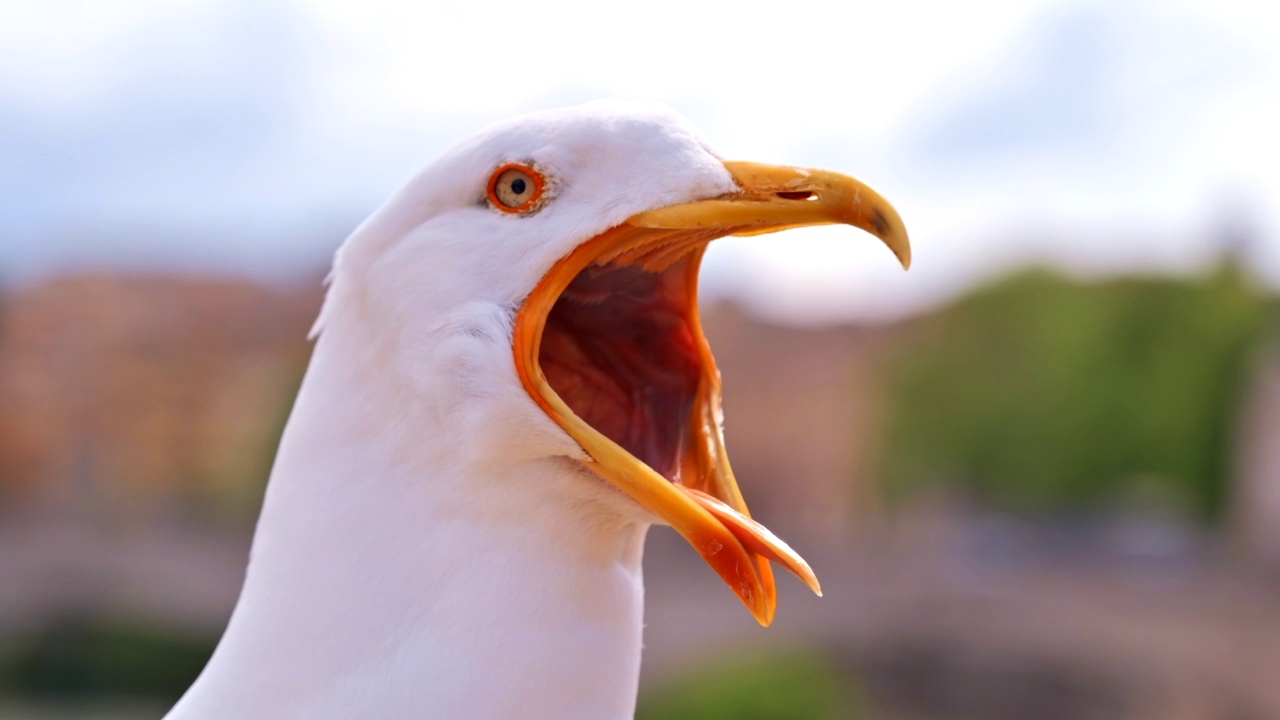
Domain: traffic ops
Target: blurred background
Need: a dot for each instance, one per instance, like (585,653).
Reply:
(1039,475)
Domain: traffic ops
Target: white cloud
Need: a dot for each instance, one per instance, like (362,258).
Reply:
(1096,135)
(1102,137)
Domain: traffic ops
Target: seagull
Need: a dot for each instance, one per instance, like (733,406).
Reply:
(509,385)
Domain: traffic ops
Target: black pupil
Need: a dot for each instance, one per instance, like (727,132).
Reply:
(517,186)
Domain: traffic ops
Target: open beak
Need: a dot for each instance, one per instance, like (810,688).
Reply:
(610,345)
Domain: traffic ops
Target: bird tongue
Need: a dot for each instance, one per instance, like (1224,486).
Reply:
(756,538)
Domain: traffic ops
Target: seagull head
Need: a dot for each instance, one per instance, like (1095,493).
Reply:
(545,271)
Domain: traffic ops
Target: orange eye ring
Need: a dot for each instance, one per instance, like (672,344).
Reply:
(515,188)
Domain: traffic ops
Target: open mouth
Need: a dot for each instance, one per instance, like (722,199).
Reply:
(621,348)
(610,345)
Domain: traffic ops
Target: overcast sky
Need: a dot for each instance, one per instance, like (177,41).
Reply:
(243,136)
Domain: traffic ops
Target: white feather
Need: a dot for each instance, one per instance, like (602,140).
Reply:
(428,546)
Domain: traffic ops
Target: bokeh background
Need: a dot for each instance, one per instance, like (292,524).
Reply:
(1039,475)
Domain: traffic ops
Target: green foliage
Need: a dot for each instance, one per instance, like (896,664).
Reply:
(1044,393)
(797,685)
(93,658)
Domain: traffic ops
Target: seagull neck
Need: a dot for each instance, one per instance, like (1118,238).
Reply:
(393,576)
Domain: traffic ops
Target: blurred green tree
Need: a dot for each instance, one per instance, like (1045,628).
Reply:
(1042,393)
(86,658)
(797,684)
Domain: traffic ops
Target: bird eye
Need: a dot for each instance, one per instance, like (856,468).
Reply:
(515,188)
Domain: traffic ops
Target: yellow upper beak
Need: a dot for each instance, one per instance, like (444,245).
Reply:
(775,198)
(706,507)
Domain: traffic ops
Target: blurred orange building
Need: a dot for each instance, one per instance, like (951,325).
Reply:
(133,399)
(126,397)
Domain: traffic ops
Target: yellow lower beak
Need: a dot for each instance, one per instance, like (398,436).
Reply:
(703,503)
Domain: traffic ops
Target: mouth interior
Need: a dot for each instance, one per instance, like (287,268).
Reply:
(619,349)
